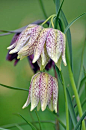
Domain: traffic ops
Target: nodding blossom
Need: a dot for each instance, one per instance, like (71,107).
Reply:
(34,66)
(43,43)
(43,91)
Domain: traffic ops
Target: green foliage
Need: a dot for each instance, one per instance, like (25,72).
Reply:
(58,21)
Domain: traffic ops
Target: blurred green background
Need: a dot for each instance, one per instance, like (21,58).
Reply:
(15,14)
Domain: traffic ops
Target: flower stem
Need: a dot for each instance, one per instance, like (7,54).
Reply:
(48,19)
(75,91)
(66,103)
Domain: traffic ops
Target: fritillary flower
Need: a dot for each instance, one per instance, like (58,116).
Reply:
(43,91)
(34,66)
(43,43)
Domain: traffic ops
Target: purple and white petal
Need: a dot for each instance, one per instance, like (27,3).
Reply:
(55,94)
(28,99)
(45,90)
(41,41)
(54,48)
(35,91)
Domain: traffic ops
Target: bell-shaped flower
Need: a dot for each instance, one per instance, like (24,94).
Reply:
(34,66)
(43,91)
(27,38)
(43,43)
(51,44)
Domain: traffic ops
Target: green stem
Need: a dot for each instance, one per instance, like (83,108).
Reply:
(48,19)
(42,7)
(66,103)
(75,91)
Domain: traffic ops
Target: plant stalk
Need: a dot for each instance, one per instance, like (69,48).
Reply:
(75,91)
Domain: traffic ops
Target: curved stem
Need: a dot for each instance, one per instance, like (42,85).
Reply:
(75,91)
(48,19)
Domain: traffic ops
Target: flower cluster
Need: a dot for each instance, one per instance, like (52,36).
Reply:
(43,43)
(43,46)
(43,91)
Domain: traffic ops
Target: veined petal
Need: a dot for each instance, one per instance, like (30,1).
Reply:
(55,93)
(50,105)
(43,59)
(28,99)
(58,64)
(41,41)
(35,91)
(45,90)
(30,33)
(44,56)
(12,46)
(63,53)
(26,51)
(54,48)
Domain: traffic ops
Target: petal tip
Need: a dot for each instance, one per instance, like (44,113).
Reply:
(13,51)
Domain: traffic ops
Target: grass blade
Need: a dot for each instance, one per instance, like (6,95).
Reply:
(58,73)
(38,120)
(7,32)
(81,66)
(68,37)
(3,128)
(9,126)
(42,7)
(15,88)
(30,124)
(71,109)
(57,3)
(83,81)
(60,121)
(73,22)
(80,121)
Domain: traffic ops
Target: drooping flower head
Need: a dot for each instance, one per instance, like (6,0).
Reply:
(11,57)
(43,43)
(43,91)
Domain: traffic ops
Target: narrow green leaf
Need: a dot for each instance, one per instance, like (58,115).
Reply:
(38,120)
(30,124)
(18,127)
(9,126)
(64,126)
(81,66)
(83,103)
(42,7)
(70,123)
(71,109)
(60,7)
(83,81)
(58,12)
(73,22)
(15,88)
(58,72)
(57,3)
(7,32)
(3,128)
(68,37)
(80,121)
